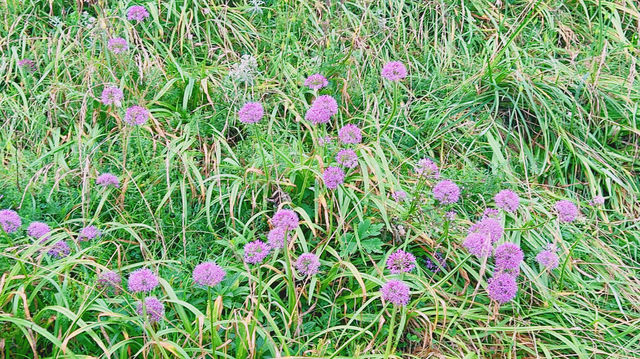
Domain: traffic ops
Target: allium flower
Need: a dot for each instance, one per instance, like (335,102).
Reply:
(446,192)
(333,177)
(142,280)
(112,95)
(507,200)
(208,274)
(394,71)
(251,112)
(285,218)
(322,141)
(491,213)
(502,287)
(59,250)
(450,215)
(490,227)
(433,266)
(396,292)
(401,262)
(137,13)
(567,211)
(88,233)
(255,252)
(399,195)
(136,115)
(27,64)
(427,168)
(322,108)
(108,179)
(350,134)
(347,158)
(508,257)
(597,201)
(316,82)
(117,45)
(110,280)
(39,230)
(478,244)
(308,264)
(153,307)
(10,220)
(548,257)
(275,237)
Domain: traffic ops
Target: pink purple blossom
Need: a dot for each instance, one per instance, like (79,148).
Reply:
(394,71)
(27,64)
(208,274)
(321,110)
(508,257)
(285,218)
(350,134)
(276,237)
(333,177)
(307,264)
(251,112)
(347,158)
(255,252)
(152,307)
(399,195)
(439,263)
(39,230)
(112,95)
(401,262)
(446,192)
(597,201)
(478,244)
(136,115)
(450,215)
(10,220)
(490,227)
(137,13)
(88,233)
(491,213)
(325,140)
(396,292)
(108,179)
(548,257)
(59,250)
(507,200)
(502,287)
(142,280)
(316,82)
(427,168)
(117,45)
(567,211)
(110,280)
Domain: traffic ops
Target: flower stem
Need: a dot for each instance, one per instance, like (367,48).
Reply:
(390,339)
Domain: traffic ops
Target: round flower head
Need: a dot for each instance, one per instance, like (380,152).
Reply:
(548,258)
(567,211)
(502,287)
(153,307)
(112,95)
(255,252)
(88,233)
(59,250)
(117,45)
(137,13)
(597,201)
(251,112)
(208,274)
(396,292)
(478,244)
(427,168)
(285,218)
(107,179)
(399,196)
(350,134)
(316,82)
(450,215)
(307,264)
(401,262)
(394,71)
(39,230)
(490,227)
(347,158)
(491,213)
(10,220)
(507,200)
(322,108)
(110,281)
(333,177)
(142,280)
(508,257)
(446,192)
(276,238)
(136,115)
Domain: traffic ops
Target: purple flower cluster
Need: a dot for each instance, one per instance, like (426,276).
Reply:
(39,230)
(152,307)
(137,13)
(440,262)
(478,244)
(333,177)
(321,110)
(208,274)
(394,71)
(446,192)
(136,115)
(276,237)
(490,227)
(285,218)
(491,213)
(27,64)
(450,215)
(88,233)
(347,158)
(502,287)
(117,45)
(508,257)
(325,140)
(427,168)
(548,258)
(108,179)
(10,220)
(350,134)
(567,211)
(401,262)
(597,201)
(507,200)
(316,82)
(59,250)
(255,252)
(112,95)
(396,292)
(308,264)
(110,280)
(251,112)
(142,280)
(399,195)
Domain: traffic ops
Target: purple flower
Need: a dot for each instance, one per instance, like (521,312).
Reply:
(27,64)
(316,82)
(142,280)
(153,307)
(401,262)
(446,192)
(39,230)
(396,292)
(597,201)
(350,134)
(322,141)
(435,267)
(508,257)
(255,252)
(251,112)
(347,158)
(136,115)
(107,179)
(59,250)
(110,280)
(208,274)
(137,13)
(117,45)
(507,200)
(307,264)
(321,110)
(478,244)
(567,211)
(490,227)
(450,215)
(548,257)
(285,218)
(10,220)
(427,168)
(491,213)
(394,71)
(275,237)
(112,95)
(88,233)
(333,177)
(399,195)
(502,287)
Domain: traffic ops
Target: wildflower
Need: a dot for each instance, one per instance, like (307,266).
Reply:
(88,233)
(39,230)
(427,168)
(251,112)
(307,264)
(333,177)
(446,192)
(350,134)
(347,158)
(246,70)
(491,213)
(401,262)
(450,215)
(110,280)
(208,274)
(108,179)
(27,64)
(396,292)
(399,195)
(117,45)
(322,141)
(285,218)
(136,115)
(322,108)
(137,13)
(394,71)
(153,307)
(507,200)
(255,252)
(59,250)
(142,280)
(10,220)
(478,244)
(316,82)
(548,257)
(502,287)
(508,257)
(112,95)
(433,266)
(276,237)
(490,227)
(597,201)
(567,211)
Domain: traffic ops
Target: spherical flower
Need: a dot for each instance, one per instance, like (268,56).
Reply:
(285,218)
(10,220)
(548,258)
(427,168)
(350,134)
(347,158)
(508,257)
(491,213)
(136,115)
(153,307)
(322,108)
(208,274)
(317,115)
(255,252)
(110,280)
(39,230)
(88,233)
(137,13)
(251,112)
(394,71)
(502,287)
(567,211)
(333,177)
(446,192)
(59,250)
(112,95)
(490,227)
(307,264)
(396,292)
(507,200)
(597,201)
(276,237)
(108,179)
(316,82)
(117,45)
(401,262)
(478,244)
(399,196)
(142,280)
